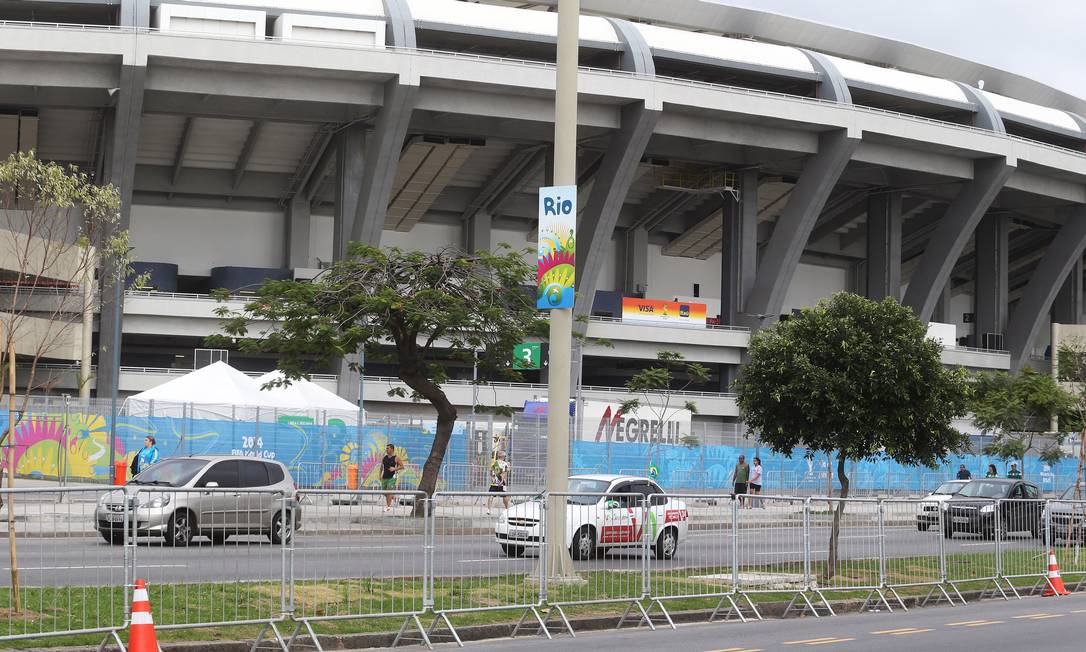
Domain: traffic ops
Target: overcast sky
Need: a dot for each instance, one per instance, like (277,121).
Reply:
(1041,39)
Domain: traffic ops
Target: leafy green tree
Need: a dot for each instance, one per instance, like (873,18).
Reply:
(857,378)
(657,389)
(431,307)
(1018,409)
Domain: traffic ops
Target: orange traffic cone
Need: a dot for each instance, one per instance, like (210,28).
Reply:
(1054,585)
(141,633)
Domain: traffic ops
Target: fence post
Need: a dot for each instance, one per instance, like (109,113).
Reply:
(428,529)
(545,499)
(735,546)
(807,543)
(645,583)
(882,543)
(286,590)
(998,527)
(942,544)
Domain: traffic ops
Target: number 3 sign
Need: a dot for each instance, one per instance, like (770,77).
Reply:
(528,355)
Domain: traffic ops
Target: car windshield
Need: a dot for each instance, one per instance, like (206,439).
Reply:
(1069,493)
(583,485)
(980,489)
(171,473)
(948,489)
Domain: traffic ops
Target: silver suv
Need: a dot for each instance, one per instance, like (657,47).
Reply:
(212,496)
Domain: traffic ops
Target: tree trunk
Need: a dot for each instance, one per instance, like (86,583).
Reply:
(15,592)
(446,419)
(835,531)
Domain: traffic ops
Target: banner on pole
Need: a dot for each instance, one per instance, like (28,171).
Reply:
(556,267)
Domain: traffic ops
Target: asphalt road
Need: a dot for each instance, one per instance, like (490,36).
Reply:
(1031,624)
(90,561)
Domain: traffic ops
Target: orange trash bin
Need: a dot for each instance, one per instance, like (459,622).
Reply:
(352,476)
(120,471)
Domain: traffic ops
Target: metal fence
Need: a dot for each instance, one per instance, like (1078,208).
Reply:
(295,561)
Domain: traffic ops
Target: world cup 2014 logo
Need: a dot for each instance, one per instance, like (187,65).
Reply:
(557,247)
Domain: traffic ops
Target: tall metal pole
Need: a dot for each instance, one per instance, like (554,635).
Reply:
(558,563)
(118,283)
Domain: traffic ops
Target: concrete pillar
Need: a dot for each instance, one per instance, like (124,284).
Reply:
(990,293)
(296,238)
(635,261)
(884,245)
(477,232)
(135,13)
(943,313)
(348,382)
(1067,307)
(738,262)
(348,179)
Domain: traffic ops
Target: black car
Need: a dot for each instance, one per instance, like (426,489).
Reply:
(974,509)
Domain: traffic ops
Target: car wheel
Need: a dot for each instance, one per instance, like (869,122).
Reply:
(948,532)
(512,551)
(116,538)
(667,543)
(1036,529)
(988,534)
(179,530)
(282,529)
(584,544)
(218,537)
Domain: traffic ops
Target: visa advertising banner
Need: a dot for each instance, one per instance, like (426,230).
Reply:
(556,266)
(671,313)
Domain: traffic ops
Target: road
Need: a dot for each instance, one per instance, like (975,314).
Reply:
(1033,624)
(374,552)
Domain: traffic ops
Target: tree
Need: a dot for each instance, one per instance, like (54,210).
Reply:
(1071,372)
(857,378)
(56,228)
(1017,409)
(657,388)
(431,306)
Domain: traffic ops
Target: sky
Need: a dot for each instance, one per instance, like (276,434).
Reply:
(1041,39)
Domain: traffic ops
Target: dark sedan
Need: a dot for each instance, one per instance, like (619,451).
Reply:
(973,511)
(1067,516)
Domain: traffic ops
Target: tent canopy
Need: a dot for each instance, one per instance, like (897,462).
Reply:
(303,393)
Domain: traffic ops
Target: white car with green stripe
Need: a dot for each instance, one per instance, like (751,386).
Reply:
(613,512)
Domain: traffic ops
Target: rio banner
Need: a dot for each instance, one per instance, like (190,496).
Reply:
(556,265)
(674,313)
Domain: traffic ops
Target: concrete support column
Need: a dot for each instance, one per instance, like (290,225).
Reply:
(477,232)
(635,261)
(943,313)
(135,13)
(296,238)
(349,381)
(990,293)
(738,262)
(119,169)
(1067,307)
(884,245)
(349,145)
(1062,256)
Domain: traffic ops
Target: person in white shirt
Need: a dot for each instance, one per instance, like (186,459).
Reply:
(756,481)
(499,478)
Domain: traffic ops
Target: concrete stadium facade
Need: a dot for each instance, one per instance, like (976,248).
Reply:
(749,161)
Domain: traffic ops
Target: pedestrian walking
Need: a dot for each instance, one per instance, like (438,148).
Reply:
(390,465)
(963,473)
(499,478)
(145,457)
(740,478)
(756,482)
(1014,473)
(992,473)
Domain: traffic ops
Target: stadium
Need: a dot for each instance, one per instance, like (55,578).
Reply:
(741,163)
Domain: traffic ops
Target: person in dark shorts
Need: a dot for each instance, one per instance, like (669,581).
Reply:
(756,481)
(499,478)
(740,477)
(390,465)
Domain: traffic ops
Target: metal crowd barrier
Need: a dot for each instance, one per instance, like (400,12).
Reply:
(70,581)
(218,557)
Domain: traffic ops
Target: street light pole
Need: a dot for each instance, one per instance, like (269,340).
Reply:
(118,284)
(558,562)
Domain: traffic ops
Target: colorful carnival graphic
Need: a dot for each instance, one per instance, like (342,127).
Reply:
(556,266)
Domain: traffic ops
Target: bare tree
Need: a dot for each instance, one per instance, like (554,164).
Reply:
(56,228)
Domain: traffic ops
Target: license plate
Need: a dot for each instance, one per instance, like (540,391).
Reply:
(115,518)
(961,519)
(518,533)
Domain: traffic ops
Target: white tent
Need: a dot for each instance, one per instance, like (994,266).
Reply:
(217,391)
(308,395)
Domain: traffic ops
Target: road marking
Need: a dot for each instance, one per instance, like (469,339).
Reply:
(1079,611)
(820,641)
(1030,616)
(60,568)
(986,622)
(970,622)
(738,649)
(1047,616)
(903,632)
